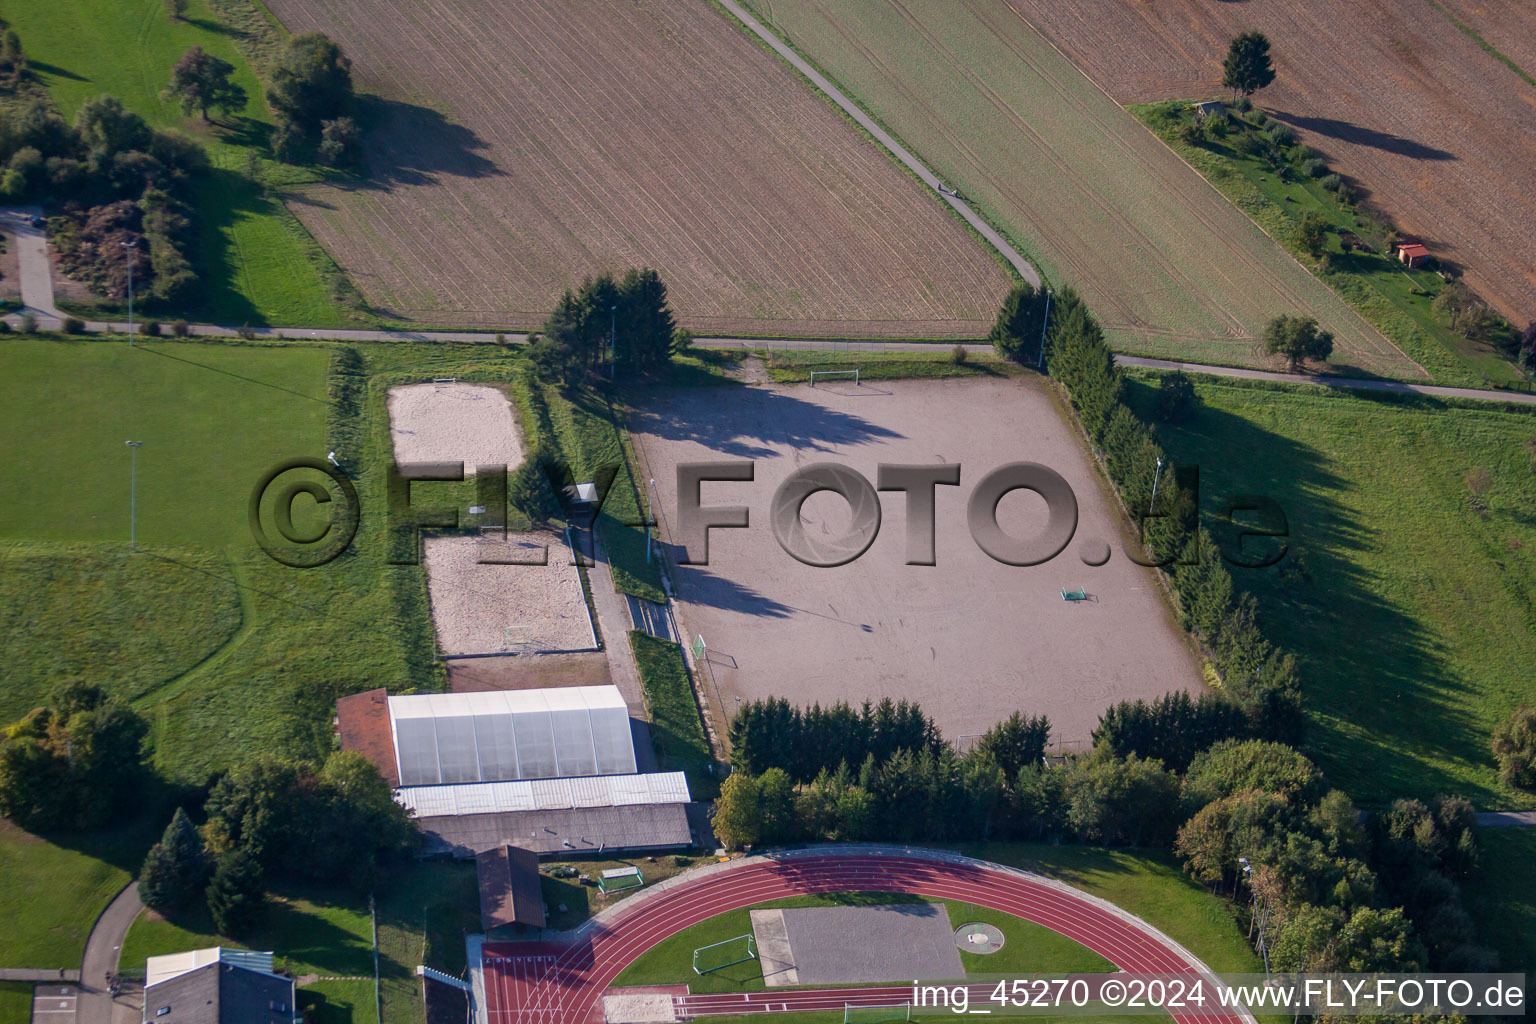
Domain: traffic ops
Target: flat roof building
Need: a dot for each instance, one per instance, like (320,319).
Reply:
(217,986)
(510,891)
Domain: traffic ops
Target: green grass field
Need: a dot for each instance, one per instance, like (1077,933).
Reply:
(15,1002)
(1071,178)
(676,728)
(1502,896)
(257,264)
(1413,613)
(1392,297)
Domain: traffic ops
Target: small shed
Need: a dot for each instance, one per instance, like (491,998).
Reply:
(1210,108)
(510,891)
(1412,253)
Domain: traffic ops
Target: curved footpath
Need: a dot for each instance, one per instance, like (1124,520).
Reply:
(562,982)
(102,951)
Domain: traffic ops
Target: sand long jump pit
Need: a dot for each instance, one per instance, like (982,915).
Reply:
(970,638)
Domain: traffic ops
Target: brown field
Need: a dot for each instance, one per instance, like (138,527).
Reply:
(1437,130)
(972,640)
(521,146)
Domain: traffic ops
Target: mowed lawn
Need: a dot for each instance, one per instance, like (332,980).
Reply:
(1171,268)
(1412,609)
(256,262)
(1502,896)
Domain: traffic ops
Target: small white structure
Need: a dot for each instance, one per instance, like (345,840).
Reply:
(164,968)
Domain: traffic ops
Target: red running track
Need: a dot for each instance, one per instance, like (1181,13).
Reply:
(532,983)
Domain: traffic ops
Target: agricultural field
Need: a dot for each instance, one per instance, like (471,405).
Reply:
(517,149)
(1409,592)
(1435,127)
(1171,268)
(256,263)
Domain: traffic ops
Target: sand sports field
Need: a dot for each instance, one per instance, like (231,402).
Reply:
(971,639)
(1396,95)
(521,146)
(1168,264)
(506,609)
(468,423)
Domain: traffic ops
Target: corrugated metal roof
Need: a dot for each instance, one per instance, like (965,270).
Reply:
(545,794)
(171,965)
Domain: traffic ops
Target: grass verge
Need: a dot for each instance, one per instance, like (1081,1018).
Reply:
(676,728)
(15,1002)
(794,366)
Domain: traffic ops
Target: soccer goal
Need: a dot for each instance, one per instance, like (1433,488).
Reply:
(875,1014)
(718,955)
(700,651)
(619,879)
(854,373)
(517,638)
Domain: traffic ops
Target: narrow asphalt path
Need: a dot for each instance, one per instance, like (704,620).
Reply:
(102,951)
(897,150)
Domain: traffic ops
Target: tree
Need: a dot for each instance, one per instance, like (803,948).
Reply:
(1019,330)
(1131,801)
(176,10)
(647,330)
(340,141)
(176,867)
(1233,766)
(311,84)
(237,895)
(1312,233)
(1514,744)
(737,816)
(1176,398)
(1016,742)
(105,128)
(1298,338)
(67,765)
(776,797)
(1528,345)
(529,488)
(200,81)
(1247,68)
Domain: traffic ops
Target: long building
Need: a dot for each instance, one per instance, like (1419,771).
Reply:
(551,771)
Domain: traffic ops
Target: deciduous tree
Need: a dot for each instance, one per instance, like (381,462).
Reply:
(1298,338)
(200,81)
(1247,68)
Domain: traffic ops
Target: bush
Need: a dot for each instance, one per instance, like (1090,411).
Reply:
(1244,104)
(245,332)
(1332,182)
(1281,134)
(1314,168)
(27,324)
(72,325)
(5,327)
(151,328)
(1514,744)
(958,355)
(501,339)
(179,328)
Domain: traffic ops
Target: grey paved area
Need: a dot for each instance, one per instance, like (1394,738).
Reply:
(54,1004)
(1506,819)
(102,950)
(1352,383)
(847,945)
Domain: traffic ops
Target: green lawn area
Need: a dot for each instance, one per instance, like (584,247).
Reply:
(794,366)
(676,728)
(424,911)
(1502,896)
(257,264)
(1395,299)
(15,1002)
(1412,611)
(53,888)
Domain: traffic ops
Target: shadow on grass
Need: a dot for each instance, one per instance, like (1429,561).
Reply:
(224,199)
(54,70)
(318,1009)
(1368,667)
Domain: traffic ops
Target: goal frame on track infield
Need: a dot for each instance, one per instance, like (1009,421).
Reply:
(831,373)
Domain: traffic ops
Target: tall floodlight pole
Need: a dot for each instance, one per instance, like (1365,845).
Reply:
(129,247)
(133,492)
(1257,913)
(613,321)
(1156,475)
(1040,363)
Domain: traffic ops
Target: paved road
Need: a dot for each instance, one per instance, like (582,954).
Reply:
(1506,819)
(32,256)
(1352,383)
(102,950)
(897,150)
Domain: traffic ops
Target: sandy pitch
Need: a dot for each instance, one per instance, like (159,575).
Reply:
(469,423)
(971,639)
(505,609)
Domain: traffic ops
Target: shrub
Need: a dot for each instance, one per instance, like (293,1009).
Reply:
(72,325)
(1281,134)
(1192,134)
(5,327)
(1314,167)
(501,339)
(1244,104)
(27,324)
(1332,182)
(958,355)
(179,328)
(1514,744)
(246,333)
(151,328)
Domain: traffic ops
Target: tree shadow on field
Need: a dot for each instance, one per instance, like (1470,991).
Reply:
(747,422)
(406,144)
(697,584)
(1382,702)
(1348,131)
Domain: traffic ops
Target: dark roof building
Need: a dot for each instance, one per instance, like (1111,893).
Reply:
(221,993)
(510,892)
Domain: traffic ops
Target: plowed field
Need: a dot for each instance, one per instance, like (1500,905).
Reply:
(1437,129)
(518,147)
